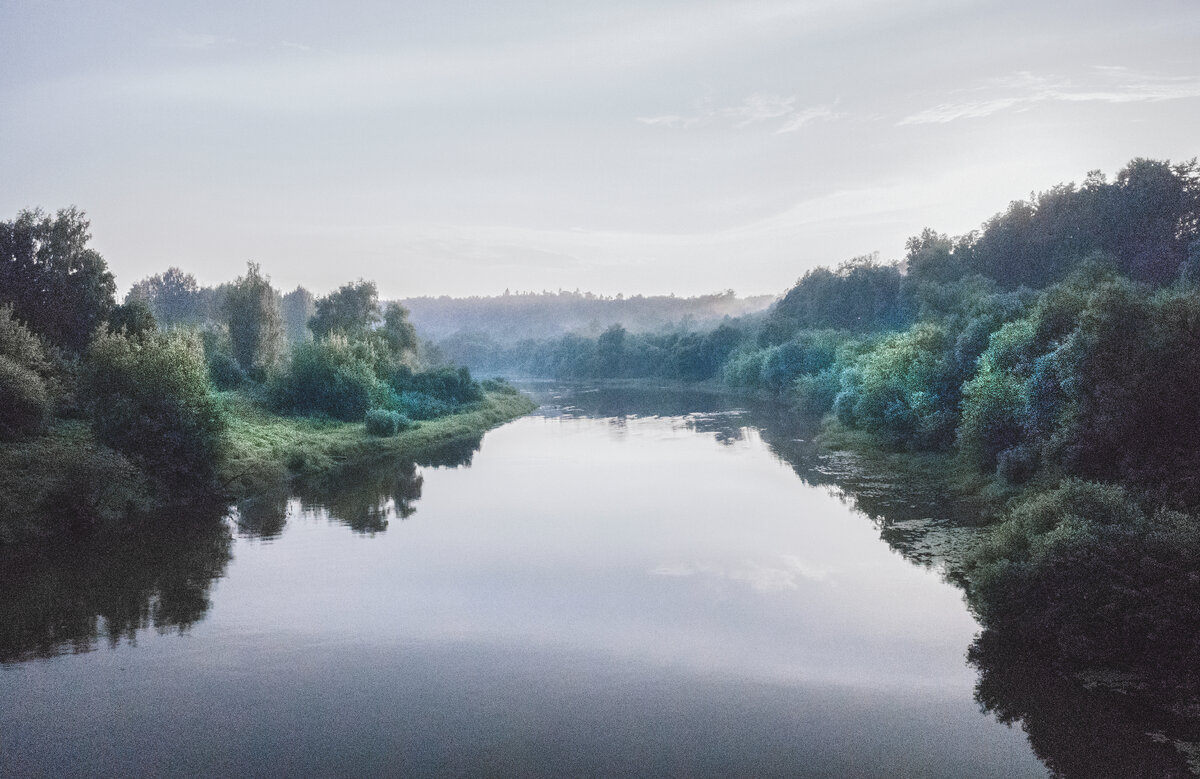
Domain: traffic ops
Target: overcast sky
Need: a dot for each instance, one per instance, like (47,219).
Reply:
(468,147)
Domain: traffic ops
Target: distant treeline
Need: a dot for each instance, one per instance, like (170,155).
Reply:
(1052,355)
(513,317)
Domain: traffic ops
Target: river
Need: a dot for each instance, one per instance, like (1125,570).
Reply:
(619,583)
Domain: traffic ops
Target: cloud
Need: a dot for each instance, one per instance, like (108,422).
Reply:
(1110,84)
(190,41)
(670,120)
(785,574)
(755,109)
(760,108)
(799,119)
(296,46)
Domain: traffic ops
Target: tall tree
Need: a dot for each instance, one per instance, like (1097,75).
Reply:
(55,284)
(298,307)
(255,322)
(352,310)
(173,297)
(399,333)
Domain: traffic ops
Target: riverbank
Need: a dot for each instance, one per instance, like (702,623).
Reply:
(67,481)
(267,450)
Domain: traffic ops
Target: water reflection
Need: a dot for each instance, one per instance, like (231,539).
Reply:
(57,598)
(1077,731)
(831,612)
(71,595)
(363,496)
(1076,728)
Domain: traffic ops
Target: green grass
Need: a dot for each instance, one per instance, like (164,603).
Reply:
(265,449)
(65,478)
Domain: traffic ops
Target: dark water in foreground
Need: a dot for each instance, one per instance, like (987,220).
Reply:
(617,584)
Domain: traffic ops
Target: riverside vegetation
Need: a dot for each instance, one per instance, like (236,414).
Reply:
(1047,363)
(1043,366)
(181,399)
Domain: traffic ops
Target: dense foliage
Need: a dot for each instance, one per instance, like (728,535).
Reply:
(255,322)
(27,385)
(57,286)
(150,399)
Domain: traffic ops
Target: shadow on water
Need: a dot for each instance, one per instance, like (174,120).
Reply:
(60,598)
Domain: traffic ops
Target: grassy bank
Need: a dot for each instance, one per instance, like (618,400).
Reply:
(67,480)
(266,449)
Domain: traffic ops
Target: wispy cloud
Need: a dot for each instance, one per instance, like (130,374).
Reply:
(296,46)
(760,108)
(190,41)
(756,109)
(1109,84)
(799,119)
(786,573)
(671,120)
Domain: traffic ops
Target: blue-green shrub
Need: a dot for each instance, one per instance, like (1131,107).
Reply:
(382,422)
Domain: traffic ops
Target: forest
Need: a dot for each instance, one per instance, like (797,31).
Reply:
(185,397)
(1048,359)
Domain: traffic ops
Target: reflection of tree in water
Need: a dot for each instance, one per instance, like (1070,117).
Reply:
(68,595)
(454,453)
(365,498)
(57,598)
(1074,730)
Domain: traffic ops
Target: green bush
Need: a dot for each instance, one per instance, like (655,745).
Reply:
(27,388)
(151,400)
(499,385)
(450,386)
(24,401)
(815,392)
(744,368)
(1084,575)
(418,405)
(382,422)
(333,376)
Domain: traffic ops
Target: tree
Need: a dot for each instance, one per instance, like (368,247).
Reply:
(173,297)
(60,288)
(255,322)
(398,332)
(298,306)
(151,400)
(133,317)
(26,392)
(351,310)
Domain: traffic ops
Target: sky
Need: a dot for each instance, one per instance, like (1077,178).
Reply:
(654,146)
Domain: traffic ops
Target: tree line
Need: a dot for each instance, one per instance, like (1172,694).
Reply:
(124,404)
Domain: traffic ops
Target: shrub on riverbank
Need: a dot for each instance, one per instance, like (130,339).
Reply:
(384,423)
(150,399)
(1086,578)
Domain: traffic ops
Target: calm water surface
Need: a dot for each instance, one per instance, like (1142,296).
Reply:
(612,586)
